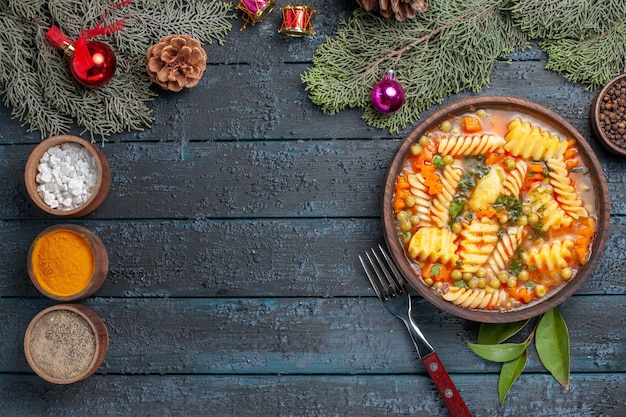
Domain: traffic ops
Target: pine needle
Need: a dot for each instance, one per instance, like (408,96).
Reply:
(34,76)
(452,48)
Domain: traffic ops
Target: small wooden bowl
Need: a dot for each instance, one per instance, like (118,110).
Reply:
(521,107)
(100,259)
(102,186)
(65,343)
(595,121)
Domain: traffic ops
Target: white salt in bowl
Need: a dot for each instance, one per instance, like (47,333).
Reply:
(67,188)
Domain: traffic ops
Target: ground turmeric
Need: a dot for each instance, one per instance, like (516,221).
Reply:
(62,262)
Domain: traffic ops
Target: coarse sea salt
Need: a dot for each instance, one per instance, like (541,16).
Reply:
(67,176)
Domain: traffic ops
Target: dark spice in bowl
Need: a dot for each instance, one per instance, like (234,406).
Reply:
(607,116)
(612,113)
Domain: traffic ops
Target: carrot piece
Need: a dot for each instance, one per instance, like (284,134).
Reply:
(471,124)
(570,154)
(488,211)
(537,168)
(494,158)
(571,163)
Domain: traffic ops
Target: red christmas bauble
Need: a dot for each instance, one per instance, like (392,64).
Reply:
(101,68)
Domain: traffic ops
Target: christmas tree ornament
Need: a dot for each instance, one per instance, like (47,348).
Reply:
(399,9)
(176,62)
(254,11)
(297,21)
(387,96)
(92,63)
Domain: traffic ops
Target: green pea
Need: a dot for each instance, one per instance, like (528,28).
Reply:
(402,216)
(522,221)
(540,290)
(415,149)
(482,113)
(409,201)
(414,219)
(512,282)
(533,218)
(481,273)
(467,276)
(495,283)
(503,277)
(473,283)
(510,164)
(456,275)
(428,281)
(456,227)
(423,141)
(526,209)
(406,226)
(446,126)
(523,276)
(503,219)
(566,273)
(481,282)
(448,159)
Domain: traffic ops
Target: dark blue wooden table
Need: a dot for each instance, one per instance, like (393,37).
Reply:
(233,228)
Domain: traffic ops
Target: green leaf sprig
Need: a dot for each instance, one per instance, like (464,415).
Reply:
(551,342)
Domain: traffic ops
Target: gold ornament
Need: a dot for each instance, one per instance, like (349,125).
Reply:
(400,9)
(176,62)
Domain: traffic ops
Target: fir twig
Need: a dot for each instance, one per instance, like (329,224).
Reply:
(449,49)
(34,78)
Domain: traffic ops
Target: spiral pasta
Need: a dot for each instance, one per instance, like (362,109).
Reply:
(564,191)
(528,141)
(432,244)
(515,179)
(549,258)
(475,297)
(423,201)
(504,251)
(553,216)
(494,220)
(470,145)
(476,242)
(441,203)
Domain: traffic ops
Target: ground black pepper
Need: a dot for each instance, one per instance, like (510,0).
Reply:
(612,118)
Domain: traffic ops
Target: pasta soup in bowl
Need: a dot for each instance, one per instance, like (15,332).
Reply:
(495,209)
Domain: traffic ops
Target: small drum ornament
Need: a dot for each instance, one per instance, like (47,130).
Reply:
(297,21)
(254,11)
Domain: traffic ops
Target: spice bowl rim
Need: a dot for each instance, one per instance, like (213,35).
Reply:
(100,257)
(97,326)
(594,118)
(514,104)
(103,182)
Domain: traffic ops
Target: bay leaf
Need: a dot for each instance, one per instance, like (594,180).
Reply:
(494,333)
(552,343)
(504,352)
(509,373)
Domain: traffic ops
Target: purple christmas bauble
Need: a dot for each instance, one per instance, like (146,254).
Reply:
(387,95)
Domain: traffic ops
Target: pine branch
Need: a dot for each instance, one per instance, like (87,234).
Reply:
(34,76)
(449,49)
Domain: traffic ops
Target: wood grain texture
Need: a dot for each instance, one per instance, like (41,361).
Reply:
(232,228)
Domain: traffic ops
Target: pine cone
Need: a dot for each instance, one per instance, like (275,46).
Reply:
(400,9)
(175,62)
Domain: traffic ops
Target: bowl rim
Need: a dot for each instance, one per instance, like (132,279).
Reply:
(96,325)
(595,118)
(552,120)
(102,182)
(100,257)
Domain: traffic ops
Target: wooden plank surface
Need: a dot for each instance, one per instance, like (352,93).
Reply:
(233,228)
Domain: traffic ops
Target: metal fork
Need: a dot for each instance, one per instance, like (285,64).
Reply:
(391,289)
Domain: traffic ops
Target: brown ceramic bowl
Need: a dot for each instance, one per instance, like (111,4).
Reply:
(49,286)
(555,123)
(98,195)
(66,343)
(596,118)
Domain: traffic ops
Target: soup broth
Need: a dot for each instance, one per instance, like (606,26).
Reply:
(495,209)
